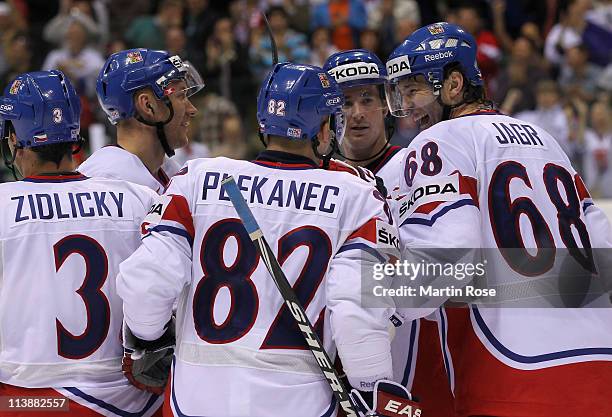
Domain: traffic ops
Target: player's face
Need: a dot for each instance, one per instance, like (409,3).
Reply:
(178,128)
(364,111)
(418,97)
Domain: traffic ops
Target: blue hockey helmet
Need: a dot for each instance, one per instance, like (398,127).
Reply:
(360,68)
(127,71)
(427,52)
(356,67)
(294,99)
(43,109)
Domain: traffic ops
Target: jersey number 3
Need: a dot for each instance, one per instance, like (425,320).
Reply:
(80,346)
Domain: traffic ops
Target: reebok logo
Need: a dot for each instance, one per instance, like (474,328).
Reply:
(439,55)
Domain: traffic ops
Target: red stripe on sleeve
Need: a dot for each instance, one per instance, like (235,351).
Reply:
(178,211)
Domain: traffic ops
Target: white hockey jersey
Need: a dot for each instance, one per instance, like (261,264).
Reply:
(239,352)
(487,180)
(116,163)
(388,166)
(62,238)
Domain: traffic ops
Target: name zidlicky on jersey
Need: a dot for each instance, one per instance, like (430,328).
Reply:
(275,193)
(47,206)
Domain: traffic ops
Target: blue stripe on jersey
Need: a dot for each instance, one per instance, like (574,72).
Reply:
(413,330)
(443,346)
(111,407)
(332,407)
(174,231)
(585,206)
(537,358)
(430,222)
(363,247)
(55,180)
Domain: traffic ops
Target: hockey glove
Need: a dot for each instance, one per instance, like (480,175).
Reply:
(389,399)
(146,364)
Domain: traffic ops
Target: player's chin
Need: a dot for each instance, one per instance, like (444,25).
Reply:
(180,140)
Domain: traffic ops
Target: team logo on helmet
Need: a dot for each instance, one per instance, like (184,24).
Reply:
(324,80)
(15,87)
(294,132)
(435,29)
(40,138)
(134,57)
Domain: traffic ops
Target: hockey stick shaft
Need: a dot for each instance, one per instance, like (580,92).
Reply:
(295,307)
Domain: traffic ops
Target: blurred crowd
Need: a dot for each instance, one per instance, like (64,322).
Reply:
(544,61)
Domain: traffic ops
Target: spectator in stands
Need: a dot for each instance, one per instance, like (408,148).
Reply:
(320,47)
(92,14)
(345,18)
(224,66)
(597,167)
(233,144)
(77,59)
(394,20)
(292,46)
(207,125)
(524,68)
(574,29)
(200,20)
(123,12)
(176,42)
(369,40)
(578,76)
(469,17)
(149,31)
(18,55)
(549,113)
(244,15)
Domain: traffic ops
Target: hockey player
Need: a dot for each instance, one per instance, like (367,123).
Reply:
(145,93)
(238,350)
(62,236)
(493,181)
(362,77)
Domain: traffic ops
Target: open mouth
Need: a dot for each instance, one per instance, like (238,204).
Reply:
(358,129)
(422,120)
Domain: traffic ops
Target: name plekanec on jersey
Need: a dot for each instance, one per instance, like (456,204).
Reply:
(299,196)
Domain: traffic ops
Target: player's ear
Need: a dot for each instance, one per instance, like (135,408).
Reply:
(13,139)
(145,104)
(453,87)
(324,137)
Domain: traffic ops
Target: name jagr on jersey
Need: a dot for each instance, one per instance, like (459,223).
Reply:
(59,206)
(517,134)
(299,196)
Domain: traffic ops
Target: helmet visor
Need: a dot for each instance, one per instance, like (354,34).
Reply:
(183,71)
(414,98)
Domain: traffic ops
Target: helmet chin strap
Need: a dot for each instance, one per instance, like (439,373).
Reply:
(325,158)
(159,126)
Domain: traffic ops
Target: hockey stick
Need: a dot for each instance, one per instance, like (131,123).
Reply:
(295,307)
